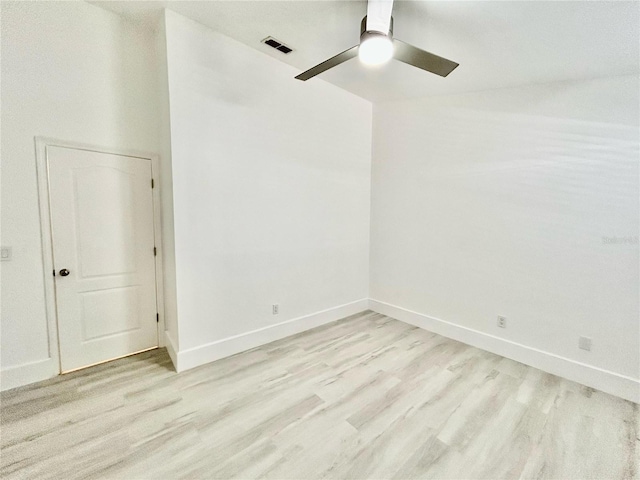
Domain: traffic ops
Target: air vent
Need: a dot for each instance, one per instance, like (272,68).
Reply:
(278,45)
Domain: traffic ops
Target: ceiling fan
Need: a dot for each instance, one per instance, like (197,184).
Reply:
(378,46)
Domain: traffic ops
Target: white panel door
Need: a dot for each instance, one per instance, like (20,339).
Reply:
(103,241)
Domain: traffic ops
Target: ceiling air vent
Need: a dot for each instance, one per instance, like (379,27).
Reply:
(272,42)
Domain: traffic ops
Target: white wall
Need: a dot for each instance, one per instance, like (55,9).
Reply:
(166,185)
(271,184)
(75,72)
(482,204)
(500,203)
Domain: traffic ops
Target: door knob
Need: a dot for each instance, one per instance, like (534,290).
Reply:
(64,272)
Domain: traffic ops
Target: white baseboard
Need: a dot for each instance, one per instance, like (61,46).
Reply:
(171,347)
(604,380)
(600,379)
(20,375)
(210,352)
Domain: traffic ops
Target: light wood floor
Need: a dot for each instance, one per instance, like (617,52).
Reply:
(365,397)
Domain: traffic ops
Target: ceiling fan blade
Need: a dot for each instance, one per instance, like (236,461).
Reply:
(419,58)
(327,64)
(379,15)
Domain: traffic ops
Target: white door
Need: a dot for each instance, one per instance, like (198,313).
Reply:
(103,255)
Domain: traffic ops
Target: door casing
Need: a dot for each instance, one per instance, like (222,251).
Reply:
(41,144)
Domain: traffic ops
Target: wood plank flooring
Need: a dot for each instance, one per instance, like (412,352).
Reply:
(364,397)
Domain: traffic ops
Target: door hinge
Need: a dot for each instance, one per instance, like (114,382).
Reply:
(157,318)
(155,252)
(152,184)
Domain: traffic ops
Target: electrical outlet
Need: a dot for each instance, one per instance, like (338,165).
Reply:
(275,308)
(584,343)
(502,321)
(5,254)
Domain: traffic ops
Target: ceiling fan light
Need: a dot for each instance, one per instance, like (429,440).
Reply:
(375,50)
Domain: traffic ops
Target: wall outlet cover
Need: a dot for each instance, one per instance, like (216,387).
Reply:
(502,321)
(584,343)
(5,253)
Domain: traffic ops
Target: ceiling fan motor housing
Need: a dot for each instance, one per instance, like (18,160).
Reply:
(364,33)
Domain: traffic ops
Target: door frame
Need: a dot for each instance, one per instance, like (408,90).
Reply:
(44,201)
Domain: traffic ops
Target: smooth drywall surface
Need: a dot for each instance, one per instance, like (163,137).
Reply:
(166,185)
(271,188)
(521,203)
(74,72)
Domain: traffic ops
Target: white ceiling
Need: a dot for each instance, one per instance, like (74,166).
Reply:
(497,43)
